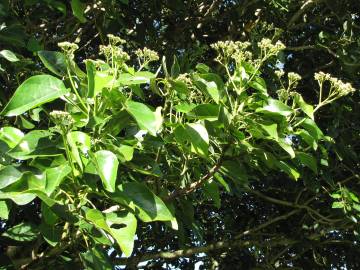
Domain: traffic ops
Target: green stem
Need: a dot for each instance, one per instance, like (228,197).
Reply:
(75,91)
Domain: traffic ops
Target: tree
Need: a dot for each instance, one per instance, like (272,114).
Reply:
(218,154)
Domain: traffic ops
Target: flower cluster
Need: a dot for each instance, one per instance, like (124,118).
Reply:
(279,73)
(62,119)
(231,49)
(147,55)
(337,87)
(68,48)
(112,52)
(294,77)
(115,40)
(270,49)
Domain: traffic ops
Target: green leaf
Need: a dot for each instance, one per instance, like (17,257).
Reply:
(90,71)
(175,68)
(36,143)
(9,175)
(202,68)
(211,84)
(311,141)
(54,177)
(205,111)
(308,160)
(126,152)
(196,134)
(79,142)
(181,88)
(149,207)
(53,61)
(97,218)
(11,136)
(146,118)
(139,77)
(212,191)
(137,91)
(235,171)
(337,205)
(123,228)
(275,106)
(78,9)
(23,232)
(47,215)
(288,170)
(107,164)
(313,129)
(18,197)
(184,107)
(9,55)
(287,147)
(271,130)
(260,85)
(306,108)
(51,234)
(4,210)
(199,138)
(96,259)
(34,92)
(101,81)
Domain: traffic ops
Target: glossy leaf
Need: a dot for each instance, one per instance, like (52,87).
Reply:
(12,136)
(51,234)
(107,166)
(54,176)
(139,77)
(292,172)
(234,171)
(210,84)
(23,232)
(199,138)
(145,117)
(34,92)
(90,72)
(54,61)
(4,210)
(271,130)
(307,160)
(259,84)
(149,207)
(306,108)
(123,228)
(95,258)
(205,111)
(287,147)
(8,176)
(78,9)
(126,152)
(276,106)
(184,107)
(9,55)
(175,68)
(97,218)
(36,143)
(312,128)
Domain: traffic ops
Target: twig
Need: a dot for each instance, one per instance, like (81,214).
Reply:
(195,185)
(302,9)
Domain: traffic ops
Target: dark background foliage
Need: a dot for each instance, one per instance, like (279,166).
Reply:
(320,35)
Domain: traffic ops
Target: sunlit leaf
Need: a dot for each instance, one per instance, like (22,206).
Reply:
(34,92)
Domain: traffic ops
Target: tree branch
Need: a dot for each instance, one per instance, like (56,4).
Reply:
(181,252)
(302,9)
(195,185)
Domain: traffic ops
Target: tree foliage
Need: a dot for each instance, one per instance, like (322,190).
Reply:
(231,143)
